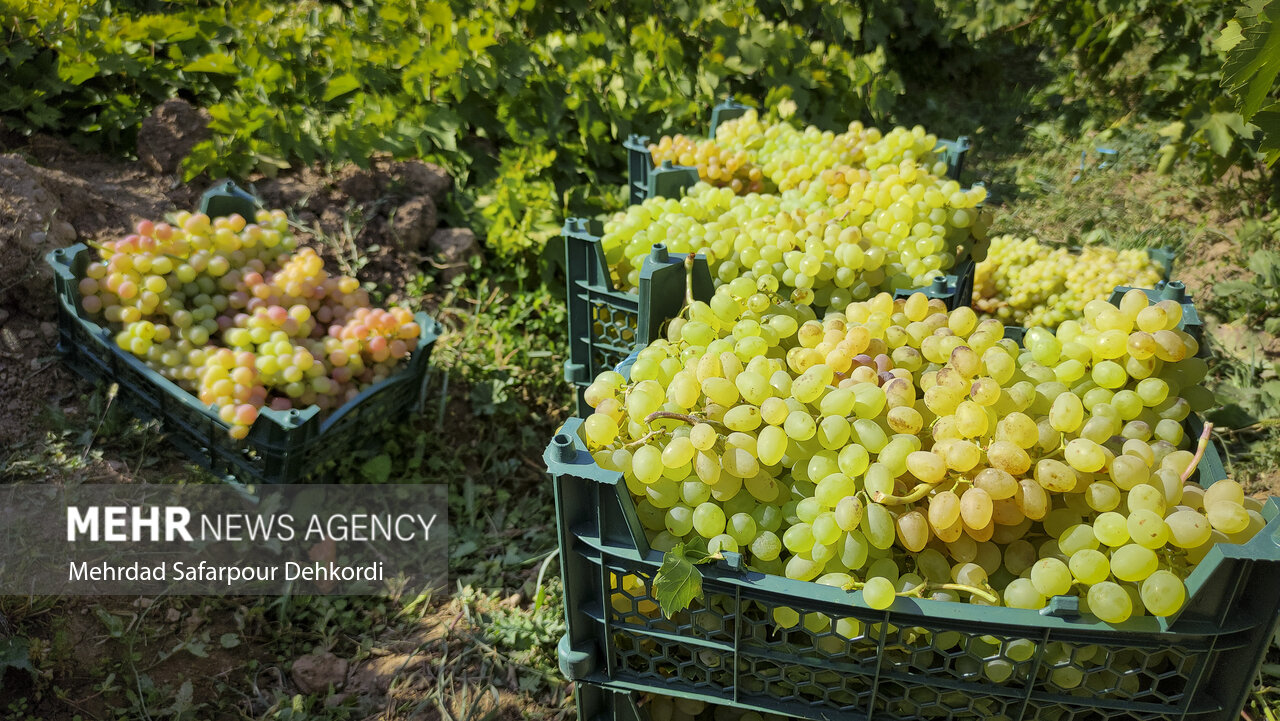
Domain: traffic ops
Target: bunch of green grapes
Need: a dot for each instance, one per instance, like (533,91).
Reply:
(716,165)
(896,449)
(240,316)
(792,158)
(1025,282)
(842,240)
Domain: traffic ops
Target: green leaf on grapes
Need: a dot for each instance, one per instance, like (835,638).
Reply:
(678,581)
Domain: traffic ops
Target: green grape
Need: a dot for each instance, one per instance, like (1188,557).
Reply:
(1188,528)
(1022,593)
(1067,413)
(1089,566)
(742,527)
(878,526)
(878,593)
(1111,529)
(1147,529)
(848,512)
(1132,562)
(766,546)
(1109,602)
(708,520)
(1226,516)
(1163,593)
(1051,577)
(798,538)
(1084,455)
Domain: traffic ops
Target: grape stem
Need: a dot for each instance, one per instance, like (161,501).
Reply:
(920,491)
(688,279)
(687,418)
(1200,449)
(646,438)
(919,591)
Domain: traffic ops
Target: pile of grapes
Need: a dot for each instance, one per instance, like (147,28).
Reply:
(853,213)
(1025,282)
(716,165)
(239,315)
(900,449)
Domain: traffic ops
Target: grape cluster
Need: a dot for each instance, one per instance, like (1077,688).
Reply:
(1025,282)
(830,244)
(716,165)
(898,449)
(239,315)
(853,213)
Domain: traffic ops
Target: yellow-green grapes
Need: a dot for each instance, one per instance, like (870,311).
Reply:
(1026,282)
(893,448)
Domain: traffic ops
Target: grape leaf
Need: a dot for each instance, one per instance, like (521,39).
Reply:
(14,653)
(341,85)
(1253,61)
(1268,120)
(211,63)
(679,581)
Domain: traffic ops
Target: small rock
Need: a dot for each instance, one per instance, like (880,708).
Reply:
(413,223)
(172,615)
(167,136)
(420,178)
(336,700)
(27,334)
(454,247)
(315,673)
(4,315)
(49,330)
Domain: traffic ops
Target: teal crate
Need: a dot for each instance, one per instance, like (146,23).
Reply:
(605,324)
(282,446)
(920,659)
(954,289)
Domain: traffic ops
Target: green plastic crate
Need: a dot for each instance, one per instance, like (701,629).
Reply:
(605,324)
(919,659)
(282,446)
(955,289)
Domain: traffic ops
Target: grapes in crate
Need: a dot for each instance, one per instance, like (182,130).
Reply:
(837,217)
(901,450)
(1029,283)
(239,315)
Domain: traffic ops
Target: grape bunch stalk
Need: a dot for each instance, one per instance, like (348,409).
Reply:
(236,313)
(899,449)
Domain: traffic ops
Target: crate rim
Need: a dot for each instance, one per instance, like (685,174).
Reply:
(567,454)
